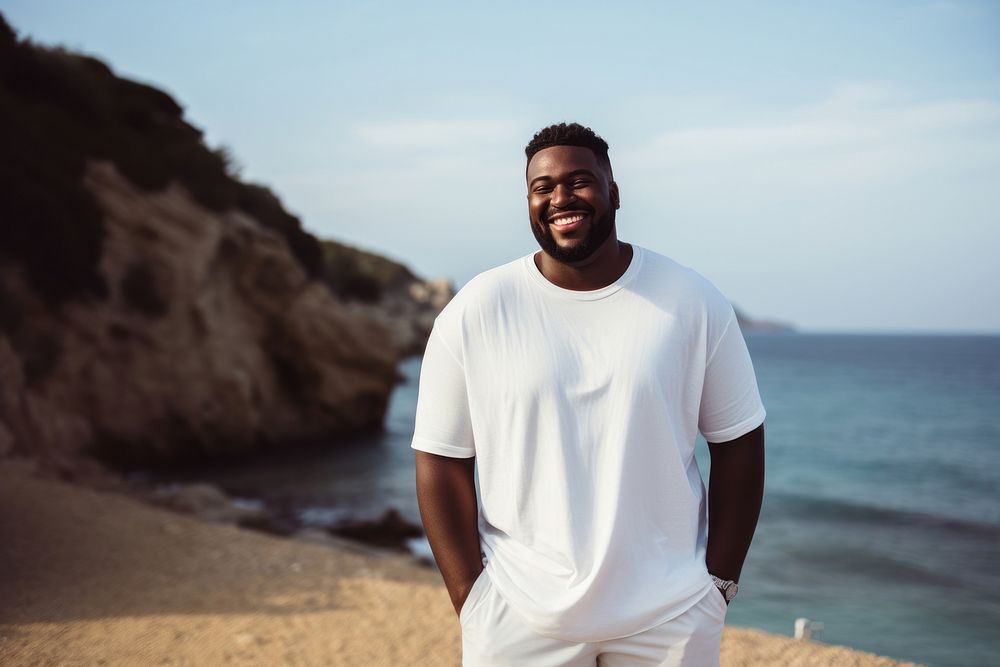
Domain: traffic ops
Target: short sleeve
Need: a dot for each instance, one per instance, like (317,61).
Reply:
(443,425)
(730,400)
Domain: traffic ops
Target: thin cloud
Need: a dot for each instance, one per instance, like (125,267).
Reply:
(858,133)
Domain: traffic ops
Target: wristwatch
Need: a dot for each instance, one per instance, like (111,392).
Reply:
(728,587)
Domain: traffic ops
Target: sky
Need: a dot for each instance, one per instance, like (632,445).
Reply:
(833,165)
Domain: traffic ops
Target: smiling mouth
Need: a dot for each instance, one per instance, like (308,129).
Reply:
(565,222)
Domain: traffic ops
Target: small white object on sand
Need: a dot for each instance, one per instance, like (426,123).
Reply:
(804,629)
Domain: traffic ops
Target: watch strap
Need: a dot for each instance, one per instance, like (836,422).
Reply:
(728,587)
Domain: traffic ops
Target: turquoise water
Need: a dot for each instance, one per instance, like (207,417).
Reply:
(881,517)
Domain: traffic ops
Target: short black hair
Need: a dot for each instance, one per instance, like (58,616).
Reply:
(569,134)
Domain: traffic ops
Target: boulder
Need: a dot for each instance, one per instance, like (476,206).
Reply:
(390,530)
(205,501)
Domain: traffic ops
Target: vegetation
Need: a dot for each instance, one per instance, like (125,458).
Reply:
(58,110)
(355,274)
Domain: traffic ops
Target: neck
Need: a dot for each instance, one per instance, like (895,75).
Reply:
(599,270)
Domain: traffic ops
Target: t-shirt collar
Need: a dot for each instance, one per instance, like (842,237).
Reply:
(528,262)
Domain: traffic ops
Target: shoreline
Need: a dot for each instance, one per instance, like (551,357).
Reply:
(93,576)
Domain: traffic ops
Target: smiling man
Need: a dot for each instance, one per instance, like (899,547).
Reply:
(577,379)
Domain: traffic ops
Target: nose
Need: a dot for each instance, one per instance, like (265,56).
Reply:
(562,195)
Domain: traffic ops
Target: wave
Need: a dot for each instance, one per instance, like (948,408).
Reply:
(851,539)
(797,506)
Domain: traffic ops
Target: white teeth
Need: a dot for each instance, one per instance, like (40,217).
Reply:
(568,221)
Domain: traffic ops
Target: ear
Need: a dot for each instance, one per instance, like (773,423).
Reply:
(616,199)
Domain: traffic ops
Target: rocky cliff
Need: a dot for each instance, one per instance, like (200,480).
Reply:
(387,292)
(153,307)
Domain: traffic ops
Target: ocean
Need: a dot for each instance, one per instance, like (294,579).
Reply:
(881,517)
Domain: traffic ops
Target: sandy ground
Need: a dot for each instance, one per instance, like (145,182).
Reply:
(92,578)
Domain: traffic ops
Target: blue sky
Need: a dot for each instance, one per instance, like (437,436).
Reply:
(834,165)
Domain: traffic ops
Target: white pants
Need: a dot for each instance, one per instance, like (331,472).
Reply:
(493,634)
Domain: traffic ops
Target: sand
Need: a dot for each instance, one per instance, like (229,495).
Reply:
(99,578)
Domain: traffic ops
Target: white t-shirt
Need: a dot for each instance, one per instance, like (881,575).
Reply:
(582,409)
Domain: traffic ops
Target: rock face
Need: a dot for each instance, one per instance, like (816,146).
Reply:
(212,341)
(387,292)
(408,314)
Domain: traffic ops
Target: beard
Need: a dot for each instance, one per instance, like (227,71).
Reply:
(598,232)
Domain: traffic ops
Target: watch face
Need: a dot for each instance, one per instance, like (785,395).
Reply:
(731,591)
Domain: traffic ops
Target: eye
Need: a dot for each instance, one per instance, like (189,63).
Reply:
(581,183)
(542,189)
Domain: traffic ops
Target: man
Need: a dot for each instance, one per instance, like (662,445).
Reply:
(577,379)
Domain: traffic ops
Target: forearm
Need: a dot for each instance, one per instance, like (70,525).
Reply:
(735,493)
(446,494)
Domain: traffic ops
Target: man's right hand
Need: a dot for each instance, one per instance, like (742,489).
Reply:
(466,589)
